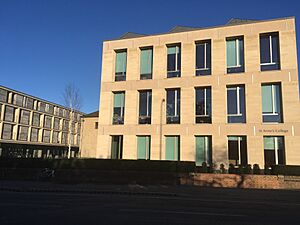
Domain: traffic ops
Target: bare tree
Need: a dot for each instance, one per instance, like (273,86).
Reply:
(72,100)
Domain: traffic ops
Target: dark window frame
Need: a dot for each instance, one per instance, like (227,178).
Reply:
(206,70)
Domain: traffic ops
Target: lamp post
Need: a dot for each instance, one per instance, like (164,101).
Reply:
(160,127)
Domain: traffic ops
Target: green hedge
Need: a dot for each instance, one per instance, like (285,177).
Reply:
(100,164)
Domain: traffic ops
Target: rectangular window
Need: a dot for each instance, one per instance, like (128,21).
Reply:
(24,117)
(203,150)
(46,136)
(173,148)
(18,100)
(146,63)
(42,107)
(271,103)
(121,61)
(203,58)
(235,54)
(23,133)
(236,109)
(47,122)
(269,51)
(237,150)
(29,103)
(65,125)
(3,95)
(274,151)
(7,131)
(118,111)
(0,111)
(96,125)
(143,147)
(174,61)
(55,139)
(64,138)
(145,107)
(203,105)
(56,124)
(9,114)
(34,134)
(36,119)
(116,146)
(173,106)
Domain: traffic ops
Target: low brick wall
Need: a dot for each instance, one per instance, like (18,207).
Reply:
(242,181)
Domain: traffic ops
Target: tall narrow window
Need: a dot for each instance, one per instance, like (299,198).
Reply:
(235,54)
(173,148)
(271,103)
(203,105)
(3,95)
(23,133)
(7,130)
(46,136)
(116,146)
(173,106)
(145,107)
(174,61)
(34,135)
(36,119)
(24,117)
(146,63)
(203,150)
(18,100)
(274,151)
(119,103)
(237,150)
(143,147)
(9,114)
(269,52)
(203,58)
(236,112)
(121,61)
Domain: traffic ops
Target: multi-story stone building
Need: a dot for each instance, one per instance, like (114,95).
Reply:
(225,94)
(34,128)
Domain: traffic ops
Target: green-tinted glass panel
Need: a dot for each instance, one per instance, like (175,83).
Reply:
(277,98)
(142,147)
(119,99)
(232,138)
(269,143)
(200,150)
(146,61)
(231,53)
(172,147)
(172,50)
(267,99)
(121,62)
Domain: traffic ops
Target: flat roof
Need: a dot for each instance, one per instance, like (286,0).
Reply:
(181,29)
(39,99)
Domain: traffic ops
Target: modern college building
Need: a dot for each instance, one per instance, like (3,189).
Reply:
(34,128)
(226,94)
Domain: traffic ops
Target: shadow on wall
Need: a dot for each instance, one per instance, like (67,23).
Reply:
(220,156)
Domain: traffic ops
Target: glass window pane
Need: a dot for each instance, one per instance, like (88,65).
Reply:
(267,99)
(143,143)
(269,143)
(200,56)
(232,103)
(121,62)
(3,95)
(7,131)
(275,48)
(119,99)
(172,148)
(146,61)
(203,150)
(9,114)
(231,53)
(265,49)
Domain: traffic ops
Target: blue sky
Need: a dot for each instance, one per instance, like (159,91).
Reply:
(46,44)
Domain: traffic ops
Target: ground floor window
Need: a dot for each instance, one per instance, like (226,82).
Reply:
(237,150)
(173,148)
(203,150)
(116,146)
(143,147)
(274,152)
